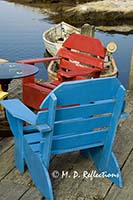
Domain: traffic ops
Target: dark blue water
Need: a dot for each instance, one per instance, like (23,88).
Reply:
(21,29)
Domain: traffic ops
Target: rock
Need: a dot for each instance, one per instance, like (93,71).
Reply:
(103,11)
(119,29)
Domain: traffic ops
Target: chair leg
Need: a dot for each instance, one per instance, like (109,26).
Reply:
(19,157)
(114,169)
(16,126)
(38,171)
(108,169)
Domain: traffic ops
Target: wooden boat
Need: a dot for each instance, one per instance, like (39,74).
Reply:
(110,64)
(55,36)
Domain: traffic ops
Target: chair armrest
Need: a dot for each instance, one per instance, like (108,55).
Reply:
(18,110)
(37,60)
(43,128)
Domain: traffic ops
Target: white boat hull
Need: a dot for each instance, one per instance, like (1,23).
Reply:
(54,37)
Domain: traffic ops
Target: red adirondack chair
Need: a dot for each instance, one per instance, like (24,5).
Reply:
(80,57)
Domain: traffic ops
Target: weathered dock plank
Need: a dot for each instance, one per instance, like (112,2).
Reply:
(64,184)
(10,190)
(6,144)
(31,194)
(15,181)
(124,138)
(16,177)
(60,164)
(6,162)
(129,102)
(11,179)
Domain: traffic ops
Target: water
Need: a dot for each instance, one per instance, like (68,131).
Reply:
(21,29)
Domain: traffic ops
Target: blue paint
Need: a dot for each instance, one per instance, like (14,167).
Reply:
(93,133)
(21,29)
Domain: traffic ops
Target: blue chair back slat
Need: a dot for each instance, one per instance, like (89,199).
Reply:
(70,93)
(80,141)
(81,125)
(84,110)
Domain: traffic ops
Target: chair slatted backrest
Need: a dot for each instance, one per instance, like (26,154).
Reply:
(85,50)
(83,112)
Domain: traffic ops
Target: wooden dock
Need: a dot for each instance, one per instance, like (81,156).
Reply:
(64,168)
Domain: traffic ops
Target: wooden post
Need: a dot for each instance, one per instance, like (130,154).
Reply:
(130,85)
(88,30)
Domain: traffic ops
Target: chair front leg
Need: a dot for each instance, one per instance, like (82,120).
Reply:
(16,126)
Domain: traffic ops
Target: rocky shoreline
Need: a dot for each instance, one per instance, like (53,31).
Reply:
(113,12)
(113,15)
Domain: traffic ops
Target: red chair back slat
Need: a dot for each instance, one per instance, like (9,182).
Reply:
(81,58)
(85,44)
(73,66)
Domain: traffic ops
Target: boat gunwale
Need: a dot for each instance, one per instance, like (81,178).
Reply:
(52,28)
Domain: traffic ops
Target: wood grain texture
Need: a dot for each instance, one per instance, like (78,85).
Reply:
(10,190)
(5,144)
(6,162)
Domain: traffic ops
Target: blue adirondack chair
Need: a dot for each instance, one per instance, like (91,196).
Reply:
(78,115)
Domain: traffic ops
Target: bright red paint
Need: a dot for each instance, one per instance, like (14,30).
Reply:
(80,57)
